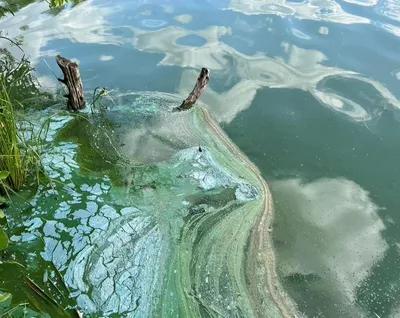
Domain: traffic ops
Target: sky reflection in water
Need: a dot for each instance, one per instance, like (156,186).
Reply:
(339,55)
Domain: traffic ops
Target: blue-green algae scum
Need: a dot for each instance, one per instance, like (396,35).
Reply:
(152,214)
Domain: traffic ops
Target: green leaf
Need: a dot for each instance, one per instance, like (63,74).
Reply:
(3,240)
(2,200)
(4,296)
(13,263)
(2,215)
(45,298)
(4,175)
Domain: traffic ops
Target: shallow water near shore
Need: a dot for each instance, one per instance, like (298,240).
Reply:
(307,90)
(172,233)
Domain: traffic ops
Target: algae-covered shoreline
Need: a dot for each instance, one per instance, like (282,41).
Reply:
(261,241)
(182,230)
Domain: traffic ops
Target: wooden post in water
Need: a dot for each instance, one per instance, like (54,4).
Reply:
(72,80)
(201,83)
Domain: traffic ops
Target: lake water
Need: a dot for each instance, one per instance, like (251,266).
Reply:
(308,90)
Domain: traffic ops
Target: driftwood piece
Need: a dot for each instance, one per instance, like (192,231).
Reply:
(72,80)
(201,83)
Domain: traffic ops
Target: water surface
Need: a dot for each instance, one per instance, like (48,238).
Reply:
(306,89)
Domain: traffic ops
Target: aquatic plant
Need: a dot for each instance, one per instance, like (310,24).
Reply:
(20,141)
(11,159)
(16,75)
(18,156)
(36,297)
(23,88)
(3,176)
(97,94)
(6,8)
(11,6)
(58,3)
(3,238)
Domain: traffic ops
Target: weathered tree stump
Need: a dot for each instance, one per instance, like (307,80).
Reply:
(201,83)
(72,79)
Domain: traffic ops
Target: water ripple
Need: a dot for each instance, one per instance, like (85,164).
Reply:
(327,10)
(389,9)
(366,101)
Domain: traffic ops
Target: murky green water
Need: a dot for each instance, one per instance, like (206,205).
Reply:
(306,89)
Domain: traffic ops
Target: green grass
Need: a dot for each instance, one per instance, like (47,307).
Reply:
(11,157)
(20,145)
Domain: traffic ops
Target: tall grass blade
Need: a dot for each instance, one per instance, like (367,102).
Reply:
(61,312)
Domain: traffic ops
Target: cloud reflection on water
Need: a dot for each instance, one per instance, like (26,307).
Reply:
(333,230)
(313,9)
(302,69)
(341,212)
(86,23)
(390,9)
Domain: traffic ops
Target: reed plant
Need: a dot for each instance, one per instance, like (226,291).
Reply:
(20,144)
(11,158)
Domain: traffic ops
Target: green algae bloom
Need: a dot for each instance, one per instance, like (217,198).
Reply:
(182,229)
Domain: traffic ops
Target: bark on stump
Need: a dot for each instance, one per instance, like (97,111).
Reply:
(201,83)
(72,80)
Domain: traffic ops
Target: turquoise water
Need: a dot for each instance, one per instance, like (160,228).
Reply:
(306,89)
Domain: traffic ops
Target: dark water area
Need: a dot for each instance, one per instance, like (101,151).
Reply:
(308,90)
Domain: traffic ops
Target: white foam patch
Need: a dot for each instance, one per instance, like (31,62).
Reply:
(106,58)
(323,30)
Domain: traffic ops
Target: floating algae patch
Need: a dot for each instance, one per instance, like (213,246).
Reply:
(184,233)
(97,152)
